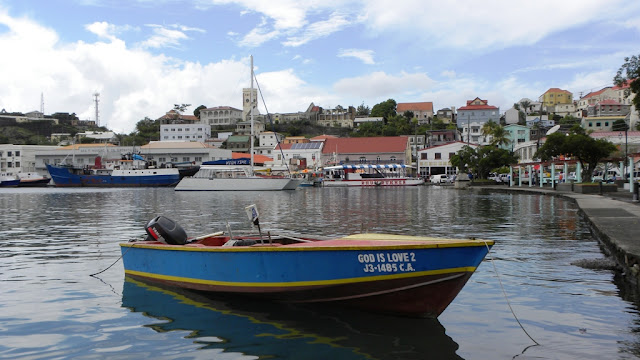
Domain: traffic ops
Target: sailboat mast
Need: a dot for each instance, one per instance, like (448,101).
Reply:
(251,101)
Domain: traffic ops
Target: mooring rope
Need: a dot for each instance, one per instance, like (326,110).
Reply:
(100,272)
(505,294)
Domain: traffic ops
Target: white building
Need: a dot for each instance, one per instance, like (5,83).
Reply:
(472,133)
(437,159)
(302,155)
(102,137)
(185,132)
(511,116)
(16,159)
(267,142)
(221,116)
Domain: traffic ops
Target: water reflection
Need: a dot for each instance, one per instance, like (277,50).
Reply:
(286,331)
(52,239)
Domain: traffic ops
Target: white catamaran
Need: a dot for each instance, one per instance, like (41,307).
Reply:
(236,177)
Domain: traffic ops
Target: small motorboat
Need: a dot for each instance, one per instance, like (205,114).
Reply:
(405,275)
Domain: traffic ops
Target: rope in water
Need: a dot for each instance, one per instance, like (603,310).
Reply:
(100,272)
(505,293)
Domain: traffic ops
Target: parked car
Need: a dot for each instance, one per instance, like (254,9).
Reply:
(439,179)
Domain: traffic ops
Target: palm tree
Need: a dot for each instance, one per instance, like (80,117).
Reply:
(525,104)
(500,137)
(488,127)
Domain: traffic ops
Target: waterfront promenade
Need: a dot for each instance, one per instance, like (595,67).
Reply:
(614,218)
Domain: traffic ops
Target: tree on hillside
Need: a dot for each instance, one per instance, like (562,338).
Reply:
(525,106)
(363,110)
(385,109)
(408,114)
(489,127)
(619,125)
(569,120)
(196,112)
(629,73)
(499,137)
(586,149)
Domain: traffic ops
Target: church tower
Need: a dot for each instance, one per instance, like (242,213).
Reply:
(246,103)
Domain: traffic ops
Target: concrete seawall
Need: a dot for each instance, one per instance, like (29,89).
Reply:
(614,220)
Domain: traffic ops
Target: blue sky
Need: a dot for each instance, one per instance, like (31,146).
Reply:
(143,56)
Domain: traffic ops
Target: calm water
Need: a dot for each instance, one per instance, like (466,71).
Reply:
(51,240)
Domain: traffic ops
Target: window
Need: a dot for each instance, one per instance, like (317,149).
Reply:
(606,123)
(363,159)
(423,156)
(179,129)
(198,158)
(9,164)
(186,158)
(451,155)
(173,129)
(174,159)
(9,153)
(598,124)
(18,154)
(162,159)
(378,158)
(437,156)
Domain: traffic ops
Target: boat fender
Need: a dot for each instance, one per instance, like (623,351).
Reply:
(245,242)
(166,230)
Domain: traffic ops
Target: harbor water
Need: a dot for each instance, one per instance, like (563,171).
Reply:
(52,240)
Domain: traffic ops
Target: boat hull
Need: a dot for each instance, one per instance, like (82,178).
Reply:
(373,182)
(10,183)
(64,177)
(34,182)
(413,279)
(237,184)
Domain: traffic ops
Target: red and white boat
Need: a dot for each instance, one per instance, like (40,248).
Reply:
(369,175)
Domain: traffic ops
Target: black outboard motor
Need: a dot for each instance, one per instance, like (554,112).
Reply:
(166,230)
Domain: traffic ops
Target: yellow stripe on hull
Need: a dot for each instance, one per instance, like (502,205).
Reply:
(293,284)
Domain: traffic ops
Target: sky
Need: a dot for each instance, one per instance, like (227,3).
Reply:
(144,56)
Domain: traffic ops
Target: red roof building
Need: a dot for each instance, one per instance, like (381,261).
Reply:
(423,111)
(386,149)
(477,111)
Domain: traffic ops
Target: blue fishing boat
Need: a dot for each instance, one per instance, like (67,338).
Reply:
(406,275)
(129,171)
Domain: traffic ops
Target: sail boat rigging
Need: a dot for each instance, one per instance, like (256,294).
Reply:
(213,177)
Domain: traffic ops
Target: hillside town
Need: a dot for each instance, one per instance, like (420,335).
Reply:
(216,133)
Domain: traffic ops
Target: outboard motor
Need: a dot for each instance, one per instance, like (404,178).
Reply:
(166,230)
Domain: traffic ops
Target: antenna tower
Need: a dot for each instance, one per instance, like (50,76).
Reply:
(97,100)
(42,103)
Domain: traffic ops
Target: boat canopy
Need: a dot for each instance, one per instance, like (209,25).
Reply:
(368,166)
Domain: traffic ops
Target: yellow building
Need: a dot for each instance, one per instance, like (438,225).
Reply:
(555,96)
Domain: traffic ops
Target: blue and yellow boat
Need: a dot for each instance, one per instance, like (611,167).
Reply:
(405,275)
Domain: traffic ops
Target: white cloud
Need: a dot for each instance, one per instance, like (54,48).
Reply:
(259,35)
(366,56)
(167,36)
(106,30)
(380,85)
(448,74)
(320,29)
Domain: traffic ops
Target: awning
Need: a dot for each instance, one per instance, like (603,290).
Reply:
(368,166)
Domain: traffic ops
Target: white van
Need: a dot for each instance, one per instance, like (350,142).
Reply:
(439,179)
